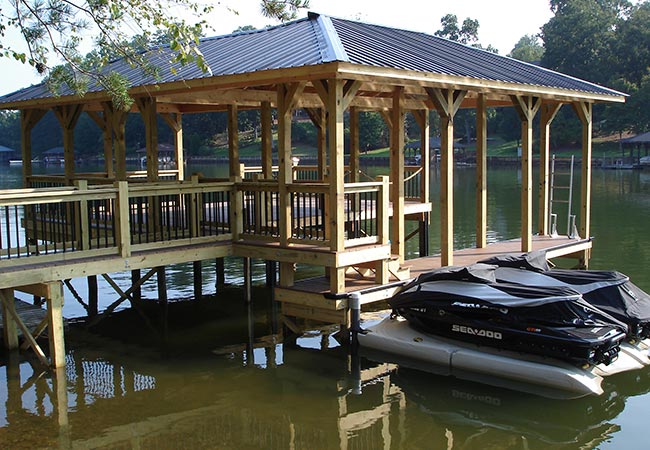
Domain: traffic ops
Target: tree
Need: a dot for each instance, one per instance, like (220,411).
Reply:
(467,34)
(528,49)
(373,132)
(53,30)
(579,39)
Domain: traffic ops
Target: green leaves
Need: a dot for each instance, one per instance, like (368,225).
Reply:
(53,30)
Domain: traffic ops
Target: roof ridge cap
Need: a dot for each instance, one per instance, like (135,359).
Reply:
(331,46)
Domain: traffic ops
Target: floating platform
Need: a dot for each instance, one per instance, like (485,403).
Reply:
(399,342)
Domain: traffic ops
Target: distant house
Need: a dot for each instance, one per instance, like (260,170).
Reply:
(6,154)
(53,155)
(166,154)
(640,141)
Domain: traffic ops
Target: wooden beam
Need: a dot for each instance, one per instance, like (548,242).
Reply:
(354,145)
(349,92)
(526,107)
(116,118)
(9,308)
(267,140)
(548,113)
(147,107)
(107,133)
(481,172)
(28,120)
(446,102)
(584,111)
(9,328)
(422,119)
(233,140)
(398,235)
(175,122)
(68,115)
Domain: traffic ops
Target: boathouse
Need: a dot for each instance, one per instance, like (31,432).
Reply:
(89,224)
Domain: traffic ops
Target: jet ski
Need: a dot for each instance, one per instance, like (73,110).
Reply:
(609,291)
(468,304)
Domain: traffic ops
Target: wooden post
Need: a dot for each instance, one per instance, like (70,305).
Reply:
(267,141)
(220,273)
(67,116)
(122,219)
(55,324)
(117,121)
(136,276)
(162,284)
(28,119)
(319,120)
(584,111)
(147,107)
(93,296)
(9,326)
(103,122)
(60,403)
(248,279)
(447,102)
(354,145)
(481,172)
(335,132)
(287,97)
(383,227)
(547,114)
(526,107)
(422,118)
(198,280)
(233,140)
(398,236)
(175,122)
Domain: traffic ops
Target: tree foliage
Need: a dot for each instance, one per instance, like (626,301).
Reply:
(528,49)
(53,32)
(465,34)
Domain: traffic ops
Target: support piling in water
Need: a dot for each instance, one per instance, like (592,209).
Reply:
(221,274)
(248,279)
(198,280)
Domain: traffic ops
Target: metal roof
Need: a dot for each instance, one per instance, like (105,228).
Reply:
(319,39)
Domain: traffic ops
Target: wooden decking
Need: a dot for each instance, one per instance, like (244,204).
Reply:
(31,315)
(311,297)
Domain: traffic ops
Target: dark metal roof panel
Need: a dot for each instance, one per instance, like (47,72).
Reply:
(380,46)
(295,44)
(320,39)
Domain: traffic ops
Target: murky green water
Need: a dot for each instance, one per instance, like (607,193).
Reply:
(218,375)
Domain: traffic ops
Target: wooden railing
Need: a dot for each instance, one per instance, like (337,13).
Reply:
(49,224)
(364,204)
(413,182)
(95,178)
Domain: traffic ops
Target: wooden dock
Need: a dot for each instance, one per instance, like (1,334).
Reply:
(305,298)
(31,315)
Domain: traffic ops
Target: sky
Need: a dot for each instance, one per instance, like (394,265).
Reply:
(502,22)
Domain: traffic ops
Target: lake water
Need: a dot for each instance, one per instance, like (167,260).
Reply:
(216,374)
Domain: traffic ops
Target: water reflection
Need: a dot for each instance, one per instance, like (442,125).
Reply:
(221,375)
(264,391)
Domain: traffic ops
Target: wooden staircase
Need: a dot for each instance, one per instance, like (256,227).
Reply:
(369,269)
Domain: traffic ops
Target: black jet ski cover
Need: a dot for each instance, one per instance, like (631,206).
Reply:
(614,293)
(462,303)
(609,290)
(535,261)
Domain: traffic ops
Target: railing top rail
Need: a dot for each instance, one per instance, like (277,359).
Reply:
(363,186)
(54,195)
(413,175)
